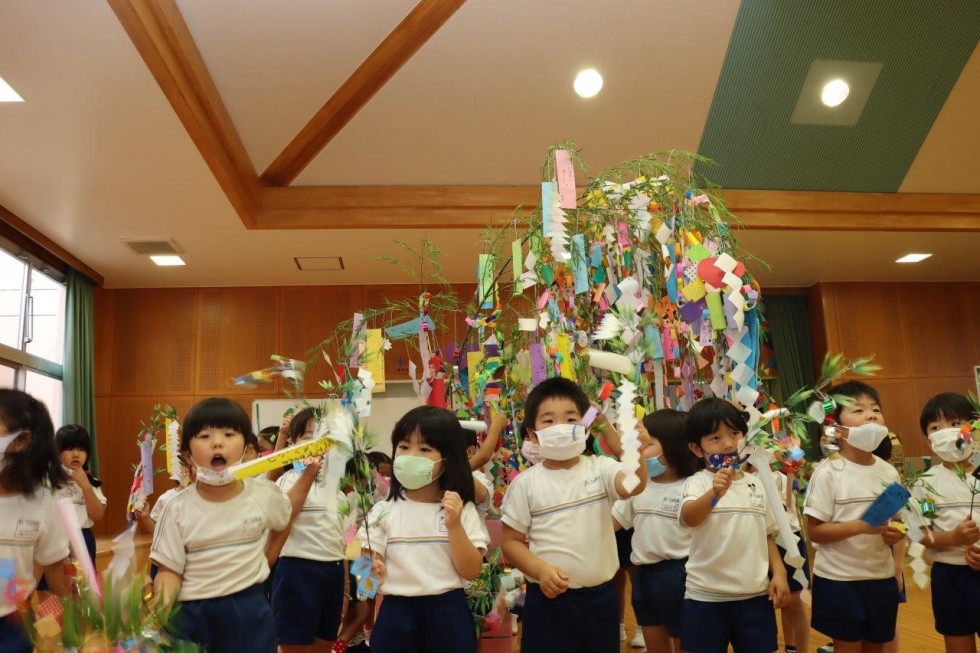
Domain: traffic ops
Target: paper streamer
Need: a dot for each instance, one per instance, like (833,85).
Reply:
(146,461)
(785,536)
(918,565)
(565,357)
(123,554)
(716,311)
(356,337)
(66,511)
(175,469)
(476,425)
(626,422)
(607,360)
(375,363)
(280,458)
(485,272)
(408,329)
(515,266)
(565,173)
(580,269)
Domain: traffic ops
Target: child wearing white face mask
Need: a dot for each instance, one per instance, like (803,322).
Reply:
(857,582)
(427,539)
(952,534)
(563,508)
(210,541)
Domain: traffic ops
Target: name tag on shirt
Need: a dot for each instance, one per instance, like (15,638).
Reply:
(441,523)
(756,498)
(593,485)
(27,529)
(252,525)
(670,504)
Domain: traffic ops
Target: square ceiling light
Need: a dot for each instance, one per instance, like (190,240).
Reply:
(913,258)
(860,77)
(319,263)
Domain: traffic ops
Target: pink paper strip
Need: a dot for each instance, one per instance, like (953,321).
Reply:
(566,179)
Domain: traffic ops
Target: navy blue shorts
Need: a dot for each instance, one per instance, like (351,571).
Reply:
(583,620)
(855,610)
(229,624)
(955,599)
(794,585)
(307,600)
(424,624)
(658,594)
(624,547)
(748,625)
(13,637)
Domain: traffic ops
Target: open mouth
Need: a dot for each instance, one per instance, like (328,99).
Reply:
(218,463)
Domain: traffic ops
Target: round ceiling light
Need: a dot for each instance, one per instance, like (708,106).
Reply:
(588,83)
(834,92)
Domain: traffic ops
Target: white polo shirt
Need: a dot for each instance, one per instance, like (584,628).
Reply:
(483,507)
(729,558)
(567,516)
(953,499)
(658,534)
(841,491)
(414,540)
(219,547)
(317,532)
(73,491)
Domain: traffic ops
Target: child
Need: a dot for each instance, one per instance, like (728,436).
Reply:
(427,539)
(267,440)
(479,456)
(563,508)
(955,586)
(74,447)
(728,592)
(30,530)
(308,584)
(211,538)
(660,544)
(855,581)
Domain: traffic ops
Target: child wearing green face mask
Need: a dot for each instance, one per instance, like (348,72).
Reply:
(427,539)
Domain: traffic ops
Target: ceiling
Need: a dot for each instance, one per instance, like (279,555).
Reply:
(96,153)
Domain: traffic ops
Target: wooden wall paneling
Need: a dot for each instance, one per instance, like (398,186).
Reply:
(897,406)
(823,322)
(238,332)
(309,315)
(103,345)
(103,437)
(245,401)
(968,293)
(869,322)
(935,324)
(153,338)
(126,413)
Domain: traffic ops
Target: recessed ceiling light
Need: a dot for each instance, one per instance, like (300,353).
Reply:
(588,82)
(835,92)
(167,259)
(7,94)
(913,258)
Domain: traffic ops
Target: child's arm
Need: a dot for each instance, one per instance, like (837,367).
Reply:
(166,586)
(274,474)
(641,476)
(143,517)
(93,504)
(973,557)
(55,575)
(778,585)
(467,559)
(898,554)
(965,533)
(609,434)
(822,532)
(553,580)
(693,513)
(479,492)
(485,452)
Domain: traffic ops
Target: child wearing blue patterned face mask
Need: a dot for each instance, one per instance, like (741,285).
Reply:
(427,539)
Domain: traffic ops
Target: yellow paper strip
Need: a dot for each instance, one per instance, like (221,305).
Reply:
(473,360)
(564,348)
(375,364)
(280,458)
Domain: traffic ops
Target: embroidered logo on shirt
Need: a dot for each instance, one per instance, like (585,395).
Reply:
(670,504)
(756,498)
(252,525)
(27,529)
(593,485)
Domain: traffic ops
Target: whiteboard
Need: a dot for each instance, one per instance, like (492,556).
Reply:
(386,409)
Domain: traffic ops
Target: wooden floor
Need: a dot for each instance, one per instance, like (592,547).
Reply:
(916,633)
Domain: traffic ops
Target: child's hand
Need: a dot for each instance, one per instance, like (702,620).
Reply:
(553,581)
(722,481)
(379,571)
(779,591)
(967,532)
(862,527)
(284,428)
(973,557)
(499,422)
(892,535)
(452,503)
(900,580)
(78,475)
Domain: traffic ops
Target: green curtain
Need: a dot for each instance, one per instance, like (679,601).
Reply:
(79,380)
(789,325)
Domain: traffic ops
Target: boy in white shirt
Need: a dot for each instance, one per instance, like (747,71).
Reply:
(729,596)
(952,534)
(563,509)
(855,582)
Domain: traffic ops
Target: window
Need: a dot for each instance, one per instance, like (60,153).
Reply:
(32,328)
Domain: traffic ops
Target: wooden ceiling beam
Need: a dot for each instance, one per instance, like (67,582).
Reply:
(24,235)
(465,207)
(380,66)
(158,30)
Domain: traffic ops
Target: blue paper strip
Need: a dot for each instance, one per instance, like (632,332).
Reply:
(889,502)
(580,269)
(408,329)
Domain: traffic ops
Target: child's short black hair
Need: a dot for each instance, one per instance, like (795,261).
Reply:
(297,427)
(36,464)
(948,406)
(74,436)
(667,426)
(440,429)
(709,414)
(216,412)
(852,389)
(549,389)
(378,458)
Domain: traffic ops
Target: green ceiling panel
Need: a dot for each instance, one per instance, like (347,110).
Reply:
(923,46)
